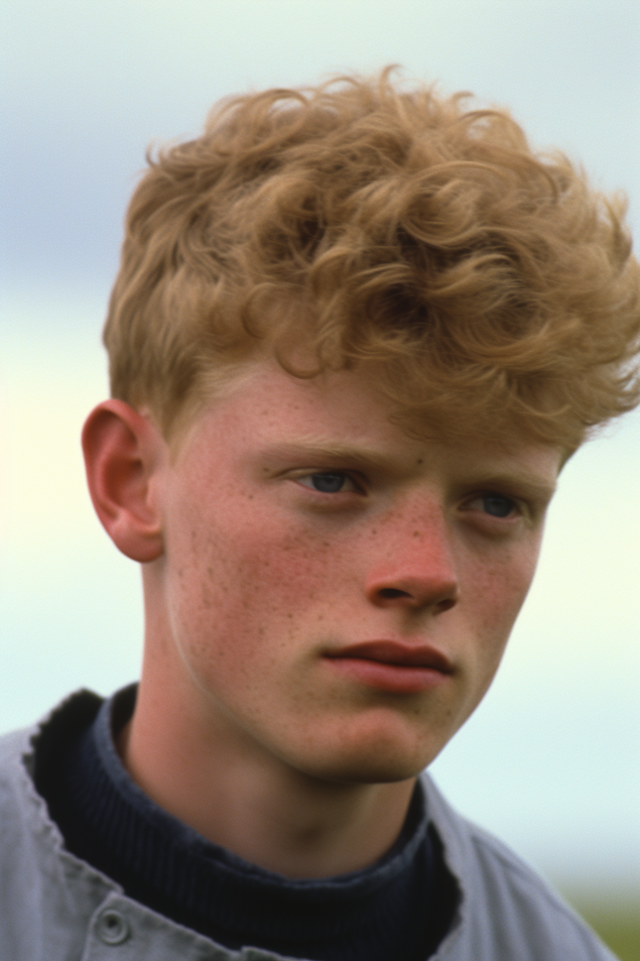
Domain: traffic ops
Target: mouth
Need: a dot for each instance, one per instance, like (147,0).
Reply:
(392,666)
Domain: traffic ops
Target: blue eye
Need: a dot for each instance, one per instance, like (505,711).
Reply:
(497,505)
(327,483)
(330,482)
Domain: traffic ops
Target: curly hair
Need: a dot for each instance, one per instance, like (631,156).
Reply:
(489,287)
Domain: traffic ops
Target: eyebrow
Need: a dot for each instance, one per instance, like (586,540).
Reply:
(525,483)
(327,450)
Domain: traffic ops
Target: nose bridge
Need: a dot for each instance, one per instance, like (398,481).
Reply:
(413,560)
(422,529)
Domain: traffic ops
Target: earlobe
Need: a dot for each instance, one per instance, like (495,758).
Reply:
(123,451)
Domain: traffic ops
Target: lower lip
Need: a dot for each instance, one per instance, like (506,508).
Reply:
(394,678)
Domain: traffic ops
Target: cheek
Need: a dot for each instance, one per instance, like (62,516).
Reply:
(239,594)
(503,594)
(501,590)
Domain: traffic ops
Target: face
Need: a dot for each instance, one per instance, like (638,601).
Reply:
(338,593)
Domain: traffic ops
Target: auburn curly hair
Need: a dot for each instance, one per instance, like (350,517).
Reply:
(490,288)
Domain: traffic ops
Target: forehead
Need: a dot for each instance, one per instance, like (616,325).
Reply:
(345,414)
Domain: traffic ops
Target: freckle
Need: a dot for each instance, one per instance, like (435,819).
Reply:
(416,533)
(210,571)
(419,460)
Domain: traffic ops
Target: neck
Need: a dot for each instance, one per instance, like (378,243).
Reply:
(196,765)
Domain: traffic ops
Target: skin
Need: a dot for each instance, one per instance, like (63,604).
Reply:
(246,727)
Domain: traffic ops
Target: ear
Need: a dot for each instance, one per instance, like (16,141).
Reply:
(123,452)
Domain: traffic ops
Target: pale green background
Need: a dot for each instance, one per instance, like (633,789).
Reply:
(550,761)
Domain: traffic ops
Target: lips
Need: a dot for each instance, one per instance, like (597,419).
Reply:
(400,655)
(392,667)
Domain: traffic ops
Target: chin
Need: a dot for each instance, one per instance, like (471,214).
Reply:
(362,771)
(382,762)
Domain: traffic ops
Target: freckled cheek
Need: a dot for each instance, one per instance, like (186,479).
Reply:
(289,580)
(241,592)
(490,617)
(500,596)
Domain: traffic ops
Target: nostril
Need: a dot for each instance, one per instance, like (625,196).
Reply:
(439,598)
(389,593)
(445,605)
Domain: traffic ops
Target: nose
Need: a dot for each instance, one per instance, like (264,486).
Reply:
(416,569)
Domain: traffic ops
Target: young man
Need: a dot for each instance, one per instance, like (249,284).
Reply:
(355,335)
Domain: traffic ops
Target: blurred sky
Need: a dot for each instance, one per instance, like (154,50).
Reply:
(550,761)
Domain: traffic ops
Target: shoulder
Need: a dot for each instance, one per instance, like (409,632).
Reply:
(506,910)
(24,814)
(17,791)
(24,811)
(48,896)
(18,748)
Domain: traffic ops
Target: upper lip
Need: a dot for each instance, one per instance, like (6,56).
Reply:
(393,652)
